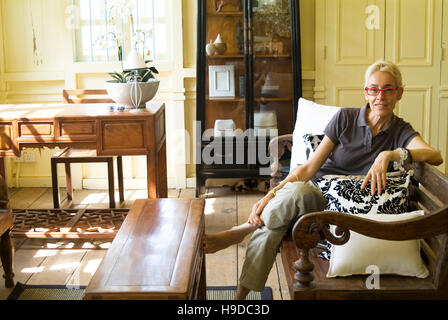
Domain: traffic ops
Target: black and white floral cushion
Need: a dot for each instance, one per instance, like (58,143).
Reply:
(344,194)
(312,141)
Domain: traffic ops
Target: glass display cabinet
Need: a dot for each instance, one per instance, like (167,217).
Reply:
(248,84)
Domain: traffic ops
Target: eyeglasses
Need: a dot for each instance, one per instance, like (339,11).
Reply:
(376,91)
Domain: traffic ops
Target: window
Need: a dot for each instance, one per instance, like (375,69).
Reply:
(102,27)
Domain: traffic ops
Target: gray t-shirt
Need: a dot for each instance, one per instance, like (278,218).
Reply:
(355,149)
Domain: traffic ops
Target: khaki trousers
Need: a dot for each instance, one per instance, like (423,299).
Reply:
(290,202)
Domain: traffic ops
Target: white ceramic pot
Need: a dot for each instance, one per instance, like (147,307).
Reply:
(130,94)
(210,48)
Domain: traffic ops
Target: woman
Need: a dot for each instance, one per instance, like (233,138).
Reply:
(361,141)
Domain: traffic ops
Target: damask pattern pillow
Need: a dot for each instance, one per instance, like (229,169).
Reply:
(344,194)
(312,141)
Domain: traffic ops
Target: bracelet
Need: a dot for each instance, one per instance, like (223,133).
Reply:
(274,191)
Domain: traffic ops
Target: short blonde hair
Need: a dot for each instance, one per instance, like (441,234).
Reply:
(385,66)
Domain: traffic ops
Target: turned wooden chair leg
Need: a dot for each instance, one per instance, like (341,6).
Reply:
(120,178)
(68,179)
(304,275)
(54,183)
(7,257)
(110,174)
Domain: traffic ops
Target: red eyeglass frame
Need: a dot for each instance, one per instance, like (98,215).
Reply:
(379,90)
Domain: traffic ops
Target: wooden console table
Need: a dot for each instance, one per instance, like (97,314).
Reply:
(90,126)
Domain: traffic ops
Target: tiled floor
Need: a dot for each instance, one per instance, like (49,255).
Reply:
(73,262)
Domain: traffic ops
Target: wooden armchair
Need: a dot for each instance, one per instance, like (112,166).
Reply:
(306,272)
(6,244)
(73,155)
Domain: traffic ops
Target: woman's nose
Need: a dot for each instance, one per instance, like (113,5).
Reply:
(380,95)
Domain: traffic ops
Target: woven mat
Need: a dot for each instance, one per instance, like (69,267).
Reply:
(49,292)
(68,223)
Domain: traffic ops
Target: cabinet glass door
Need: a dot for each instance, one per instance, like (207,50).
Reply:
(225,106)
(273,103)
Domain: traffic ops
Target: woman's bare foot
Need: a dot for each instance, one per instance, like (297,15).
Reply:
(221,240)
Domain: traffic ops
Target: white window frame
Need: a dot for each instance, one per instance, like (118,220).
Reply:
(164,64)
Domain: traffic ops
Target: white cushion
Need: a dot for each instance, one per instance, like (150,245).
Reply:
(391,257)
(312,118)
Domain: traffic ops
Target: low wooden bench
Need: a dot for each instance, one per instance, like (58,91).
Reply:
(157,254)
(306,272)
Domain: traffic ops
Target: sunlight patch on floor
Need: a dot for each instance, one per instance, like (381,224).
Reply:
(44,253)
(32,270)
(58,245)
(95,198)
(92,265)
(64,266)
(209,206)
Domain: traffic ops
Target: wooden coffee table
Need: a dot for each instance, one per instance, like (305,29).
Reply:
(157,254)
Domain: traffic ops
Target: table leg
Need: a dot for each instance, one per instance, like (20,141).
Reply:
(110,170)
(68,181)
(54,183)
(151,177)
(120,177)
(202,290)
(156,174)
(3,168)
(162,179)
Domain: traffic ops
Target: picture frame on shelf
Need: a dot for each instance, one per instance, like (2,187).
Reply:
(262,44)
(222,81)
(255,5)
(276,47)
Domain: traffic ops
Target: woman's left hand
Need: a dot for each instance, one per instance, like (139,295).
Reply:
(377,173)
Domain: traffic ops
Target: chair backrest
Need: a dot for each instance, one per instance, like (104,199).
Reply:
(85,92)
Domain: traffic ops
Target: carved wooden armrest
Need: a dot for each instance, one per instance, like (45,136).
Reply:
(276,149)
(310,228)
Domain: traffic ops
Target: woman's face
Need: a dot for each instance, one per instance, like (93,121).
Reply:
(383,103)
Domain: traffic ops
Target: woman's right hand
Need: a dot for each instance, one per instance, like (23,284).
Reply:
(257,209)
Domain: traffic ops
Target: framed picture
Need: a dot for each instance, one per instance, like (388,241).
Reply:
(221,81)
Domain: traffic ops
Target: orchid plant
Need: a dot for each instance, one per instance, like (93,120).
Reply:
(119,14)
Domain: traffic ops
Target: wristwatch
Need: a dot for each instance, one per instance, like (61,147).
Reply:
(405,156)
